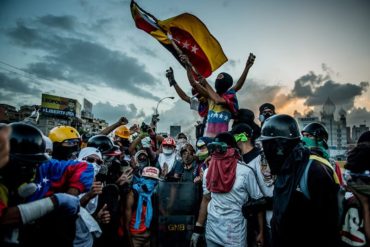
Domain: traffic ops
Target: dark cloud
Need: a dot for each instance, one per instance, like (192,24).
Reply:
(24,36)
(112,113)
(17,86)
(66,22)
(254,94)
(317,88)
(306,84)
(358,116)
(341,94)
(82,61)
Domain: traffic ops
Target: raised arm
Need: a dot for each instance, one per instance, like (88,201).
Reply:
(243,77)
(179,91)
(109,129)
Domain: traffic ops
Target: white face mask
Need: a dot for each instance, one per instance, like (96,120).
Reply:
(96,168)
(167,151)
(181,140)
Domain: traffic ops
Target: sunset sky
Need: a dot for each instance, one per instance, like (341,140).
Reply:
(306,52)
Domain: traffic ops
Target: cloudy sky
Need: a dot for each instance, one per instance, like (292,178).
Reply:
(306,52)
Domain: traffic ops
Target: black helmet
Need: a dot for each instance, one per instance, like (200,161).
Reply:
(317,130)
(27,143)
(280,126)
(103,143)
(86,136)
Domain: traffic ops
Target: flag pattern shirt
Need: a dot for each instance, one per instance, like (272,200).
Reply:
(219,115)
(57,176)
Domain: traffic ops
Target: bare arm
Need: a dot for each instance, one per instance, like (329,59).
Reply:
(203,210)
(261,230)
(128,215)
(198,86)
(109,129)
(181,93)
(171,79)
(365,204)
(134,144)
(243,77)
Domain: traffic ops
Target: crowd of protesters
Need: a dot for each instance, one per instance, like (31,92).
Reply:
(266,184)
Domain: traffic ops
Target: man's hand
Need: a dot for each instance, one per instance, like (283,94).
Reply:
(103,215)
(126,177)
(155,119)
(198,232)
(194,239)
(69,204)
(250,60)
(134,129)
(96,189)
(123,121)
(185,60)
(170,76)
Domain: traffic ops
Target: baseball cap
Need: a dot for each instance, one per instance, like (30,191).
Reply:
(150,172)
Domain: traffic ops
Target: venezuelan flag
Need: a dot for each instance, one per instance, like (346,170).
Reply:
(189,34)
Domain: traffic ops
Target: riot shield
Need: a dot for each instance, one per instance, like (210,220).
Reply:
(177,207)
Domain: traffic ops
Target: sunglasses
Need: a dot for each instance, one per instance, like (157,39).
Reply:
(94,160)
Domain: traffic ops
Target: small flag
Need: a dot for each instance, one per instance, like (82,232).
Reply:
(188,33)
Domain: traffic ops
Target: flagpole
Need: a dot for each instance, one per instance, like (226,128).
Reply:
(179,53)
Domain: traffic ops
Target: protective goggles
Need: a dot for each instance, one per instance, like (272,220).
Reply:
(94,160)
(217,147)
(71,142)
(241,137)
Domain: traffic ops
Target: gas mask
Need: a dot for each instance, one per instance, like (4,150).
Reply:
(277,151)
(262,117)
(19,175)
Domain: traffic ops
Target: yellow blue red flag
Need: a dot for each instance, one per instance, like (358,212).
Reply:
(190,35)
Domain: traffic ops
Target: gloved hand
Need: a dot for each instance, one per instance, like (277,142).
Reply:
(194,239)
(197,233)
(170,77)
(67,203)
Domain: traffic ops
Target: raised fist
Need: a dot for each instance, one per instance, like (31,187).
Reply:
(170,77)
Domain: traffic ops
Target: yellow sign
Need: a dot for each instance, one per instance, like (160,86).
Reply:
(51,104)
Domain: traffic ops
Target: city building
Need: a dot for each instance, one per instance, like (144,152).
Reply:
(8,113)
(337,129)
(339,132)
(55,111)
(357,131)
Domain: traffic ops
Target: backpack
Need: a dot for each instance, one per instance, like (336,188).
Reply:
(303,183)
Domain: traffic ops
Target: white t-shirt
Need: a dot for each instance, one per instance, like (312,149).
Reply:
(225,222)
(267,188)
